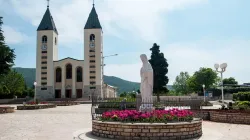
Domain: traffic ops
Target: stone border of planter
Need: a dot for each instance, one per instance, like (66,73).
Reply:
(230,117)
(66,104)
(158,131)
(7,109)
(224,116)
(33,107)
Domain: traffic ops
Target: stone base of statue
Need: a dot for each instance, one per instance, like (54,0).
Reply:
(146,107)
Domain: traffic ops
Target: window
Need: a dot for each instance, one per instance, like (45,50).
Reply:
(44,51)
(92,71)
(91,50)
(43,88)
(92,38)
(92,61)
(44,83)
(92,56)
(58,75)
(69,71)
(44,67)
(92,77)
(44,78)
(44,57)
(44,72)
(92,88)
(79,74)
(92,66)
(92,83)
(55,41)
(44,39)
(44,62)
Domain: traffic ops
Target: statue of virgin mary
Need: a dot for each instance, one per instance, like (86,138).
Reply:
(147,80)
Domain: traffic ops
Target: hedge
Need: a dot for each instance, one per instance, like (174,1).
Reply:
(241,96)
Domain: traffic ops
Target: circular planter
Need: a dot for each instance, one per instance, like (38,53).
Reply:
(33,107)
(118,130)
(7,109)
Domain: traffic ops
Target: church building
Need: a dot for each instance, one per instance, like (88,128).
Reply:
(69,77)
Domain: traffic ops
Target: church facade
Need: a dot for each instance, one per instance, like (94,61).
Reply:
(69,77)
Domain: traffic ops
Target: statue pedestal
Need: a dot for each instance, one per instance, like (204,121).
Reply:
(146,107)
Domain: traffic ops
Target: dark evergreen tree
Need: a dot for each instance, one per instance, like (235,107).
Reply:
(7,55)
(160,67)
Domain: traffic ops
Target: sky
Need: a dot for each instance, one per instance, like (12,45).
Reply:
(190,33)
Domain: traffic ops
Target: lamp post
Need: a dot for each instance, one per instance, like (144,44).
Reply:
(204,92)
(223,67)
(103,68)
(35,91)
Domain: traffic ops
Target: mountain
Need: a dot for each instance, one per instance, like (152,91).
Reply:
(29,75)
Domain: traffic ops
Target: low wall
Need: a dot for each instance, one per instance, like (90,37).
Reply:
(156,131)
(7,109)
(230,117)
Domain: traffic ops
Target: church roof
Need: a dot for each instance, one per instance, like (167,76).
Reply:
(93,21)
(47,22)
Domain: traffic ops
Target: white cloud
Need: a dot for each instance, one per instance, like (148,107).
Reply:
(141,18)
(193,55)
(13,36)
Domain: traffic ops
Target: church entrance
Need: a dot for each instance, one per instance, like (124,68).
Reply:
(57,93)
(68,93)
(78,93)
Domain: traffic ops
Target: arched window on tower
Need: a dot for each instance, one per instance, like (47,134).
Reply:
(92,38)
(79,74)
(69,71)
(58,75)
(44,39)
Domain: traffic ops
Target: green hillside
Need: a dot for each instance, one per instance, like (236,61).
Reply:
(29,75)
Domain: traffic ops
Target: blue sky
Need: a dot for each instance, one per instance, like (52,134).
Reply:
(191,33)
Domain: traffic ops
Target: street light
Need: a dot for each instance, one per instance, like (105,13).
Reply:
(103,68)
(204,92)
(35,91)
(223,67)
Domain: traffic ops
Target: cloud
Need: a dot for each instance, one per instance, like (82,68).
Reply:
(13,36)
(190,56)
(142,19)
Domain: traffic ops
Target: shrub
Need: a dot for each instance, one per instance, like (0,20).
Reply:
(241,96)
(243,105)
(155,116)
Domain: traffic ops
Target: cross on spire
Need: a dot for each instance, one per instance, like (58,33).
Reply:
(93,2)
(48,3)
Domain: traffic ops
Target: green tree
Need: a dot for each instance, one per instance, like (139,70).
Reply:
(160,67)
(230,81)
(14,82)
(180,84)
(7,55)
(205,76)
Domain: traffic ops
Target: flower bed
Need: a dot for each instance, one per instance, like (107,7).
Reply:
(6,109)
(172,115)
(35,106)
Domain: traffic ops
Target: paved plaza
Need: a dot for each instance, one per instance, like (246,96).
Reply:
(65,122)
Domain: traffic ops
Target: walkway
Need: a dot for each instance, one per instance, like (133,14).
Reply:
(65,122)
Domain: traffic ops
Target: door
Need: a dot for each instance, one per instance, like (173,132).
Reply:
(68,93)
(57,93)
(79,93)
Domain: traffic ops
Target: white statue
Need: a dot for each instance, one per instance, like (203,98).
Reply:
(147,81)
